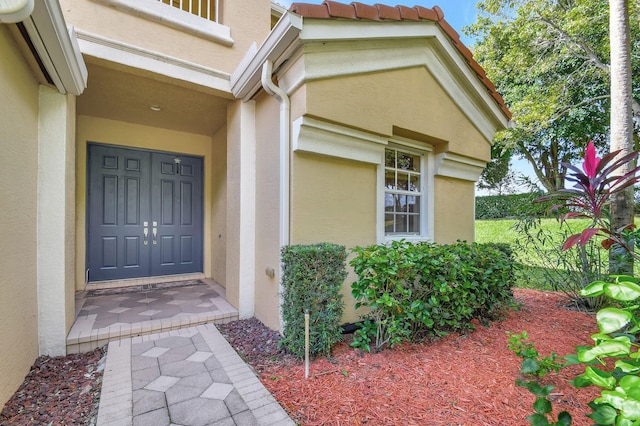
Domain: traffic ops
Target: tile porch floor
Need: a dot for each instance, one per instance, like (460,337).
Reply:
(109,317)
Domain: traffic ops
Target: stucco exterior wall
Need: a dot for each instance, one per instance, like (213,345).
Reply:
(333,200)
(249,21)
(454,210)
(410,99)
(241,180)
(91,129)
(267,210)
(56,219)
(18,216)
(219,207)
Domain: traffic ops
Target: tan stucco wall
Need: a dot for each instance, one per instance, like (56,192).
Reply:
(333,200)
(267,210)
(454,210)
(410,99)
(56,219)
(91,129)
(219,207)
(18,190)
(249,21)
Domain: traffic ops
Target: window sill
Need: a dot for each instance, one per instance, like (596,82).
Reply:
(170,16)
(409,238)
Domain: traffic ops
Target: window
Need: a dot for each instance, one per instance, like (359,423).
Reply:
(403,193)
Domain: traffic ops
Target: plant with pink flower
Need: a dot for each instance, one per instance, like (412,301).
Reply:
(593,187)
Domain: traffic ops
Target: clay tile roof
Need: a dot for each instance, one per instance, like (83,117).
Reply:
(408,13)
(365,11)
(388,12)
(380,12)
(428,14)
(340,10)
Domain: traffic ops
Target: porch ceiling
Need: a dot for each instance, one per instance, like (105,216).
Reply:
(119,95)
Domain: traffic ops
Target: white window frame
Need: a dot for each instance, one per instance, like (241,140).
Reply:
(425,152)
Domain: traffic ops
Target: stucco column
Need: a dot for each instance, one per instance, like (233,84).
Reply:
(241,206)
(56,216)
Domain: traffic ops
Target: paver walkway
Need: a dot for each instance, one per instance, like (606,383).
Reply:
(188,377)
(111,314)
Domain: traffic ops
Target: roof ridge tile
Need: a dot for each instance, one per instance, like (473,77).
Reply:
(408,13)
(426,13)
(365,11)
(340,10)
(387,12)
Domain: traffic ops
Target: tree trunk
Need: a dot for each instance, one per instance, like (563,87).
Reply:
(621,116)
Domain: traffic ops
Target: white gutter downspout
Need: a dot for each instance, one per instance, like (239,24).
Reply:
(285,112)
(13,11)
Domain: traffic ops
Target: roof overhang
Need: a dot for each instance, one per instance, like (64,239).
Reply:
(54,46)
(245,80)
(341,47)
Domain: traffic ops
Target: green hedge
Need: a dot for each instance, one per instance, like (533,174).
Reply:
(509,206)
(312,277)
(426,289)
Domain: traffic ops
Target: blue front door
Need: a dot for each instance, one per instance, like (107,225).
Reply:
(145,213)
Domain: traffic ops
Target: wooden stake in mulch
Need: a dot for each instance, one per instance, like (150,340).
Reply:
(306,344)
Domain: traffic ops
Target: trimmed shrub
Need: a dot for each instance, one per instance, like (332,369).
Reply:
(312,276)
(510,206)
(426,289)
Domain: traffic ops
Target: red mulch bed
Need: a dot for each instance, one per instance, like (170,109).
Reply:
(58,391)
(458,380)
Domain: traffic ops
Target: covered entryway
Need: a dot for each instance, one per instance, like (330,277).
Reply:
(145,213)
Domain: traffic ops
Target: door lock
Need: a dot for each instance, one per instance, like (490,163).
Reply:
(155,232)
(145,232)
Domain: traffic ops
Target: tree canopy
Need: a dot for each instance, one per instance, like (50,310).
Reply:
(550,61)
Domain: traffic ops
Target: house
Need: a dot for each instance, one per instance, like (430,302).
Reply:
(197,137)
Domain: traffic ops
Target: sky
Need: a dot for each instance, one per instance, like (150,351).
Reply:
(458,13)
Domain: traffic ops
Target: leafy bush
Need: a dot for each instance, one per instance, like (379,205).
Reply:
(312,277)
(426,289)
(509,206)
(619,401)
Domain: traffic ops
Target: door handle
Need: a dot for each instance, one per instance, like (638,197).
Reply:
(155,232)
(145,232)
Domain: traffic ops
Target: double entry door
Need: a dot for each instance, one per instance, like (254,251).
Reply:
(145,213)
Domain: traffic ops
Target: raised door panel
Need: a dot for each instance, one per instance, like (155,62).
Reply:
(118,187)
(177,206)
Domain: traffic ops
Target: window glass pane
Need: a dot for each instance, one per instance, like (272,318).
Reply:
(408,161)
(403,181)
(401,203)
(401,223)
(414,183)
(389,223)
(389,203)
(390,179)
(414,223)
(413,204)
(390,158)
(402,176)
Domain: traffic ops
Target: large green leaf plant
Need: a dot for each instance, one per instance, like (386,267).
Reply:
(613,361)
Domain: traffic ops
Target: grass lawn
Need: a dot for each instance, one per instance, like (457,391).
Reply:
(535,269)
(501,231)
